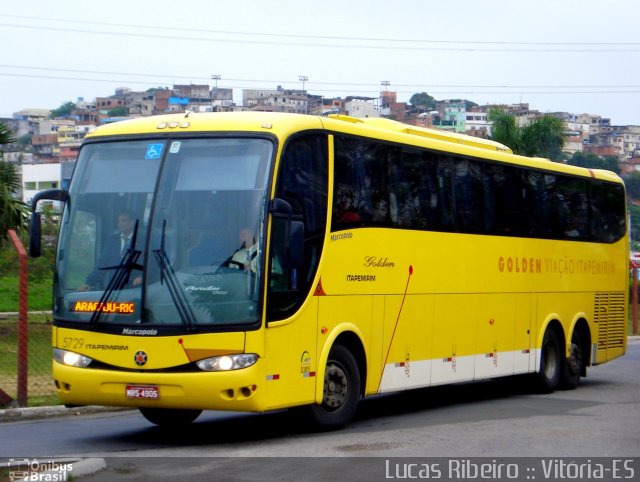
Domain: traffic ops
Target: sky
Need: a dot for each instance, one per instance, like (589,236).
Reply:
(577,56)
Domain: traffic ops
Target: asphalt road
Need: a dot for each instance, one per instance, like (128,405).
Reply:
(493,419)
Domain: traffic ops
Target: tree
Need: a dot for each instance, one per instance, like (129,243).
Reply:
(6,134)
(632,183)
(13,212)
(542,138)
(469,105)
(582,159)
(504,130)
(118,112)
(25,141)
(422,101)
(634,223)
(64,110)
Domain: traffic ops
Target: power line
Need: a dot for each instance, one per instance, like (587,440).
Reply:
(321,37)
(475,46)
(281,81)
(514,89)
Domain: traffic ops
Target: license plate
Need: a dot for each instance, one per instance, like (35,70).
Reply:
(146,392)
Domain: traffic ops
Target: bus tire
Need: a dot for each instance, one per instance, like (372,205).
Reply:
(341,391)
(551,363)
(169,417)
(574,364)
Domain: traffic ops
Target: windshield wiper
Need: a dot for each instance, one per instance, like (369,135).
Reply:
(173,285)
(120,278)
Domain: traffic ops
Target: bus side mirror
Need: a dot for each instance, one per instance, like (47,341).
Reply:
(35,235)
(35,224)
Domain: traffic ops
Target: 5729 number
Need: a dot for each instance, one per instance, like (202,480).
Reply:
(72,343)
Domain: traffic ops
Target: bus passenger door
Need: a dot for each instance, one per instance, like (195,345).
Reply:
(291,358)
(298,215)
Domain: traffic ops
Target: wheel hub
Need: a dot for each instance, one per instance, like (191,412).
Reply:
(335,387)
(575,358)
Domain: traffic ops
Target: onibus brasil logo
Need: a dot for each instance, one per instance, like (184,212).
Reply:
(39,471)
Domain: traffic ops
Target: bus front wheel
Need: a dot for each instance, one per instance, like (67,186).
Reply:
(169,417)
(551,363)
(341,391)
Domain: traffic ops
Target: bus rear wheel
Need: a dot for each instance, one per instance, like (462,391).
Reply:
(341,391)
(574,366)
(551,363)
(169,417)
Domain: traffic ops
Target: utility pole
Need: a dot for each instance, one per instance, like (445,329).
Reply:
(303,79)
(215,78)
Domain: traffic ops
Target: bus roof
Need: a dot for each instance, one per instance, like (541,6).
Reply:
(284,124)
(437,134)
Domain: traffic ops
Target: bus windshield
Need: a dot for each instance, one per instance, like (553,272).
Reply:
(165,232)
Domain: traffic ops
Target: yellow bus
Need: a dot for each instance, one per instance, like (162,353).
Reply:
(262,261)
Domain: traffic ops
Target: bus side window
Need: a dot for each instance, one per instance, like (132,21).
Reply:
(469,196)
(401,207)
(445,194)
(346,195)
(509,190)
(535,205)
(573,208)
(421,181)
(375,188)
(608,218)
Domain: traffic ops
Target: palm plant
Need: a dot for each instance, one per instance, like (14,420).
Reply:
(542,138)
(13,212)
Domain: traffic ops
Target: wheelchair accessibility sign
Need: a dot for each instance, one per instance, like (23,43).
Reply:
(154,151)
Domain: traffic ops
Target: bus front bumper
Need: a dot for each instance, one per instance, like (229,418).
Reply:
(237,390)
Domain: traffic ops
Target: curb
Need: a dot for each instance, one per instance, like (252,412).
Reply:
(33,413)
(86,467)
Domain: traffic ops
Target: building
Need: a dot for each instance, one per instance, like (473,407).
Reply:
(221,99)
(36,177)
(361,107)
(452,115)
(278,100)
(391,108)
(28,121)
(476,124)
(331,106)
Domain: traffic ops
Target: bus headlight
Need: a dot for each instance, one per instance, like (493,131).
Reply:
(227,362)
(70,358)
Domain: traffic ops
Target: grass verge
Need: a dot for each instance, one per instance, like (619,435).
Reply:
(41,390)
(38,294)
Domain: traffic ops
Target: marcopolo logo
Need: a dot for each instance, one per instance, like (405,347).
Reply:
(139,331)
(36,470)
